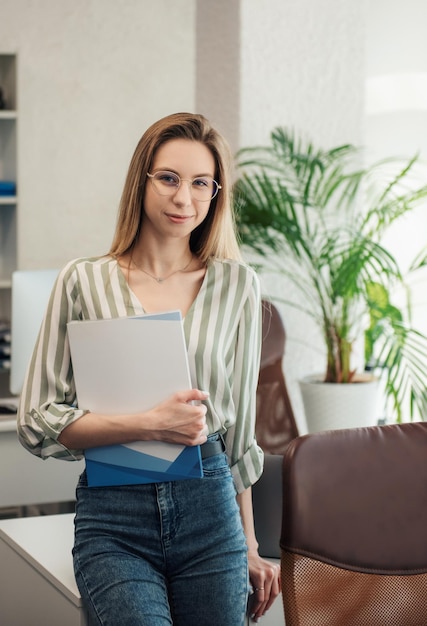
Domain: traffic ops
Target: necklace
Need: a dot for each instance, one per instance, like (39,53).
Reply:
(161,279)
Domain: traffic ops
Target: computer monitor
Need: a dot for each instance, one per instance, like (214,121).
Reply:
(30,294)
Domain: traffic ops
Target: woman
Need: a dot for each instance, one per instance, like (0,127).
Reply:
(174,552)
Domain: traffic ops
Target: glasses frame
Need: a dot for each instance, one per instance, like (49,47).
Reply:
(181,180)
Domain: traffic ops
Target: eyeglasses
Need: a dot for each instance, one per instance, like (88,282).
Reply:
(203,188)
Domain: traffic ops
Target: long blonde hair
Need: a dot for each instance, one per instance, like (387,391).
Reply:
(216,236)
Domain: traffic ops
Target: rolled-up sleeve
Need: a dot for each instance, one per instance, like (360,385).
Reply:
(47,403)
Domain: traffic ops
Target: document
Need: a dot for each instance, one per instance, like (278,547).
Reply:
(128,365)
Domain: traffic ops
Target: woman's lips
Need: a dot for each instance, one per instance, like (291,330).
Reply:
(178,219)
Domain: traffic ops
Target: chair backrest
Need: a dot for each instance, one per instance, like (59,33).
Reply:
(354,527)
(275,425)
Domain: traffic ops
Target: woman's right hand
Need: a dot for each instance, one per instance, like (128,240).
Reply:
(179,419)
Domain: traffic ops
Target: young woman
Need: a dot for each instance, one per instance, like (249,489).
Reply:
(181,552)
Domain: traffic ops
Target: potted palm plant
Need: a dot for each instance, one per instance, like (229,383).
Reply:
(318,218)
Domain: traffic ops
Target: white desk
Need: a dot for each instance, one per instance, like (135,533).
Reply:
(38,584)
(26,479)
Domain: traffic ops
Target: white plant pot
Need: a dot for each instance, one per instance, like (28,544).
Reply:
(332,405)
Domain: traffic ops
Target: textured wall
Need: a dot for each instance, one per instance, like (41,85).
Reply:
(282,62)
(303,66)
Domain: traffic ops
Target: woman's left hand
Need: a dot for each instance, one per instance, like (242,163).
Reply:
(266,583)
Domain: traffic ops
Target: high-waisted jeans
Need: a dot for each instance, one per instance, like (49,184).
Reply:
(162,554)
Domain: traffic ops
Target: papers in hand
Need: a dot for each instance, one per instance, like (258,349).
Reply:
(128,365)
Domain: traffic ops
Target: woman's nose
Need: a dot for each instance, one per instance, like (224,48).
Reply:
(183,193)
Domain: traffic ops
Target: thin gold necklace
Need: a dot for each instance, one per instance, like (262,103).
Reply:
(161,279)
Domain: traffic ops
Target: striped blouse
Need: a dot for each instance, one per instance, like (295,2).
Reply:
(223,335)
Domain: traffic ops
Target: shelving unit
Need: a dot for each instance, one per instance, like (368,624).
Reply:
(8,203)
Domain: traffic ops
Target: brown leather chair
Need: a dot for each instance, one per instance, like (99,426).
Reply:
(275,428)
(354,527)
(275,425)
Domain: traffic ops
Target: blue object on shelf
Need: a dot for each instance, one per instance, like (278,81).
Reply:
(7,188)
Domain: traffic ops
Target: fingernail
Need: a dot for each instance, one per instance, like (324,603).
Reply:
(206,393)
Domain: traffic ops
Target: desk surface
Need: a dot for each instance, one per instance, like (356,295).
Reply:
(45,542)
(34,481)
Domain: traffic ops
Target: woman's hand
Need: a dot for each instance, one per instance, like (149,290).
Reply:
(264,575)
(179,419)
(266,583)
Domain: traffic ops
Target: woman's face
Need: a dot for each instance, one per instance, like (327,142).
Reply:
(177,214)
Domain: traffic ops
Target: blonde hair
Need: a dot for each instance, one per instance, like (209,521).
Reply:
(216,236)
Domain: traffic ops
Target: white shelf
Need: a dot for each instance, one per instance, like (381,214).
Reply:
(6,114)
(5,200)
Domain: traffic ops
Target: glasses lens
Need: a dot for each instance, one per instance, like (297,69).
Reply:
(204,188)
(165,183)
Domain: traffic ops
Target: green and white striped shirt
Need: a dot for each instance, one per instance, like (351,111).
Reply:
(223,335)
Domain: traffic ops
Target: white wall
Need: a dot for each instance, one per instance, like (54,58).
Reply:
(303,66)
(282,62)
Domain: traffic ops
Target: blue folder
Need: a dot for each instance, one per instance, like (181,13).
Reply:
(120,465)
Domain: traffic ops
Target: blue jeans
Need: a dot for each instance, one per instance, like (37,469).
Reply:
(162,554)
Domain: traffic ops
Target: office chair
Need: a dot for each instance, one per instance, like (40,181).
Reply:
(275,428)
(275,424)
(354,539)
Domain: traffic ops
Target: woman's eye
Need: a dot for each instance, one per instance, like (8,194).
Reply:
(168,179)
(201,182)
